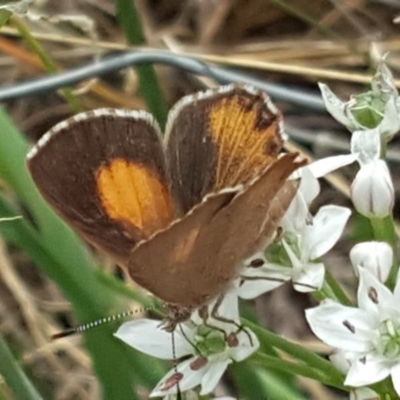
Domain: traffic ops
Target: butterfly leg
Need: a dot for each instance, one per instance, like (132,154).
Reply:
(205,314)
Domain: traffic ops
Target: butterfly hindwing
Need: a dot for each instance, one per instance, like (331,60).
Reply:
(199,254)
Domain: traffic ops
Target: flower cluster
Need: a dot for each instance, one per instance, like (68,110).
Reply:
(208,346)
(373,118)
(365,338)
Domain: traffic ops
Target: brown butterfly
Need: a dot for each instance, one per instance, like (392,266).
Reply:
(180,213)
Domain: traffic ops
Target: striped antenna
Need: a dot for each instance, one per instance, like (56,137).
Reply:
(101,321)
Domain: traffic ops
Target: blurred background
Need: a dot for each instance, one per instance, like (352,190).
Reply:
(49,279)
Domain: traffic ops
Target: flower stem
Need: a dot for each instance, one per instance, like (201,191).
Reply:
(385,390)
(384,230)
(275,363)
(337,291)
(311,362)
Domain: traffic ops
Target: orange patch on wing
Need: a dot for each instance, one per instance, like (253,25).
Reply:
(247,139)
(130,192)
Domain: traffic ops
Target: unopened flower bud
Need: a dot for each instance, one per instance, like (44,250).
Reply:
(377,257)
(372,191)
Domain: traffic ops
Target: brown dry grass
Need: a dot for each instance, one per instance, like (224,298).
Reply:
(294,42)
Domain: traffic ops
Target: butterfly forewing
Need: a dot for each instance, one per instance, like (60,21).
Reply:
(220,138)
(104,173)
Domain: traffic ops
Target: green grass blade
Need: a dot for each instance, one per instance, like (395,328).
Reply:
(4,17)
(148,83)
(14,376)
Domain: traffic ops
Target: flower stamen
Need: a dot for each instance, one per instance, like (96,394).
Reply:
(389,343)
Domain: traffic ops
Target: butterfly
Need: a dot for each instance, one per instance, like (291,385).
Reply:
(181,212)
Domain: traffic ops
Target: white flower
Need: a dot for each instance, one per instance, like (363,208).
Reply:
(303,240)
(208,349)
(300,259)
(297,216)
(372,190)
(377,257)
(378,108)
(369,334)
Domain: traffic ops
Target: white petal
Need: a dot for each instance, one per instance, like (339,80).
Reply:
(374,297)
(341,360)
(334,105)
(396,291)
(252,289)
(395,372)
(327,165)
(191,378)
(327,227)
(310,278)
(225,398)
(148,337)
(372,190)
(342,327)
(270,277)
(296,216)
(367,370)
(366,145)
(376,257)
(191,394)
(228,309)
(383,82)
(213,375)
(363,393)
(390,123)
(248,344)
(309,185)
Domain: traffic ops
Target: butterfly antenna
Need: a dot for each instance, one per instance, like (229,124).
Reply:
(101,321)
(178,389)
